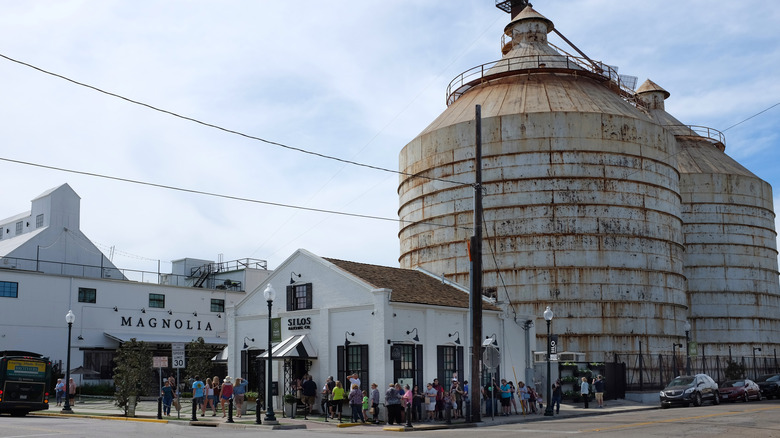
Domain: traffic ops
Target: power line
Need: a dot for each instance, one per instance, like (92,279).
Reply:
(754,115)
(230,131)
(219,195)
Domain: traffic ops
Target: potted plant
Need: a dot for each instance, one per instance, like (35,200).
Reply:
(293,402)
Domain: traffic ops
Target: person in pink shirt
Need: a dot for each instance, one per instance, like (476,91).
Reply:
(226,392)
(407,398)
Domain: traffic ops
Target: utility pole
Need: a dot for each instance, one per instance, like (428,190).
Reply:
(475,257)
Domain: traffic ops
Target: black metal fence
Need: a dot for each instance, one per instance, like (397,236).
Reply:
(654,371)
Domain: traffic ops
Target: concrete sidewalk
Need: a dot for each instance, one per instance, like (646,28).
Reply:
(103,408)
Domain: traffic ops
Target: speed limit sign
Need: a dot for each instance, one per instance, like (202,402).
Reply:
(177,349)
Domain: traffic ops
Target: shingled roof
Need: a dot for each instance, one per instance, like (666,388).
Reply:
(408,285)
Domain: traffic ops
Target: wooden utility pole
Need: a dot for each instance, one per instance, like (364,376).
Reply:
(475,257)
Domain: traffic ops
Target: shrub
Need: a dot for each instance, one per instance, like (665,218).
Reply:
(99,389)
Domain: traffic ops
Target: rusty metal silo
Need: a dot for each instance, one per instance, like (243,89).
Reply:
(581,196)
(730,259)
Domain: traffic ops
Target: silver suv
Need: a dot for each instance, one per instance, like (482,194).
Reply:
(687,390)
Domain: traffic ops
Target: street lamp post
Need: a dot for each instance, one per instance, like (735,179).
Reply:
(674,357)
(687,348)
(548,316)
(270,418)
(69,318)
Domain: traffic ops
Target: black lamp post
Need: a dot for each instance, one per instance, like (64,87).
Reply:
(674,357)
(270,418)
(687,348)
(548,316)
(69,318)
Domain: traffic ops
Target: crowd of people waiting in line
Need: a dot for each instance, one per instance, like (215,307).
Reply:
(210,394)
(432,403)
(428,404)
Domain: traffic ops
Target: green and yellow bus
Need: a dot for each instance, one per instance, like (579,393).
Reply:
(24,382)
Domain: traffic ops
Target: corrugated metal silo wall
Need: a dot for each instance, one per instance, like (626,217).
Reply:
(730,254)
(581,207)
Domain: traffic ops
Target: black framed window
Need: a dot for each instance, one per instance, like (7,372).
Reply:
(353,359)
(408,362)
(299,296)
(9,289)
(157,301)
(449,364)
(217,305)
(87,295)
(101,361)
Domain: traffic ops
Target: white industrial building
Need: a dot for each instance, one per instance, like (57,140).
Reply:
(334,317)
(48,266)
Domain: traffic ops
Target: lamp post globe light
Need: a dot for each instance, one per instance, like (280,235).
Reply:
(548,316)
(270,294)
(687,328)
(70,317)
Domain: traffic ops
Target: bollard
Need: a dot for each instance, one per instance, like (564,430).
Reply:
(230,410)
(257,410)
(194,410)
(448,412)
(409,416)
(159,408)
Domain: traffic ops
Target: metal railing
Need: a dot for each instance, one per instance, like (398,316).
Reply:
(711,134)
(524,64)
(655,371)
(97,271)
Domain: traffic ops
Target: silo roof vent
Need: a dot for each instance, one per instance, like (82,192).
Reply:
(527,14)
(649,86)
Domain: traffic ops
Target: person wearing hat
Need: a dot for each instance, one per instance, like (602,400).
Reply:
(225,393)
(456,396)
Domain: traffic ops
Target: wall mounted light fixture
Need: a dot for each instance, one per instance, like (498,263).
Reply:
(292,277)
(457,336)
(347,341)
(170,312)
(250,340)
(195,313)
(115,309)
(143,309)
(416,338)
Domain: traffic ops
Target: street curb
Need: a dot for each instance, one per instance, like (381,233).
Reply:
(100,417)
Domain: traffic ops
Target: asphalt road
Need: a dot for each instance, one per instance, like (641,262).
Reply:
(755,419)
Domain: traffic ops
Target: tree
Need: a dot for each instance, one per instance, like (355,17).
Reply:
(199,359)
(734,370)
(132,373)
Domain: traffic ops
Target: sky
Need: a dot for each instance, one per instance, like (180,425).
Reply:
(356,80)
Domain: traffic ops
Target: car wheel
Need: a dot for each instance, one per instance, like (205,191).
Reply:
(745,397)
(760,397)
(697,399)
(716,399)
(664,406)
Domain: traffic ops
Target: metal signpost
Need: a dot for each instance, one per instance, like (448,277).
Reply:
(179,362)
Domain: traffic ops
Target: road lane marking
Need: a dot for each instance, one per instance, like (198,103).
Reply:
(672,420)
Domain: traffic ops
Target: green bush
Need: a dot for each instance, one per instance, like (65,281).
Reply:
(100,389)
(734,370)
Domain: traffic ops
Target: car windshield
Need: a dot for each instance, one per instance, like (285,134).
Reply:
(730,383)
(682,381)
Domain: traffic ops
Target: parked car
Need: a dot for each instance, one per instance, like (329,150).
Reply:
(690,390)
(769,384)
(742,389)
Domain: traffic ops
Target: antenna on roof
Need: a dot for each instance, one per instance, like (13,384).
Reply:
(513,7)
